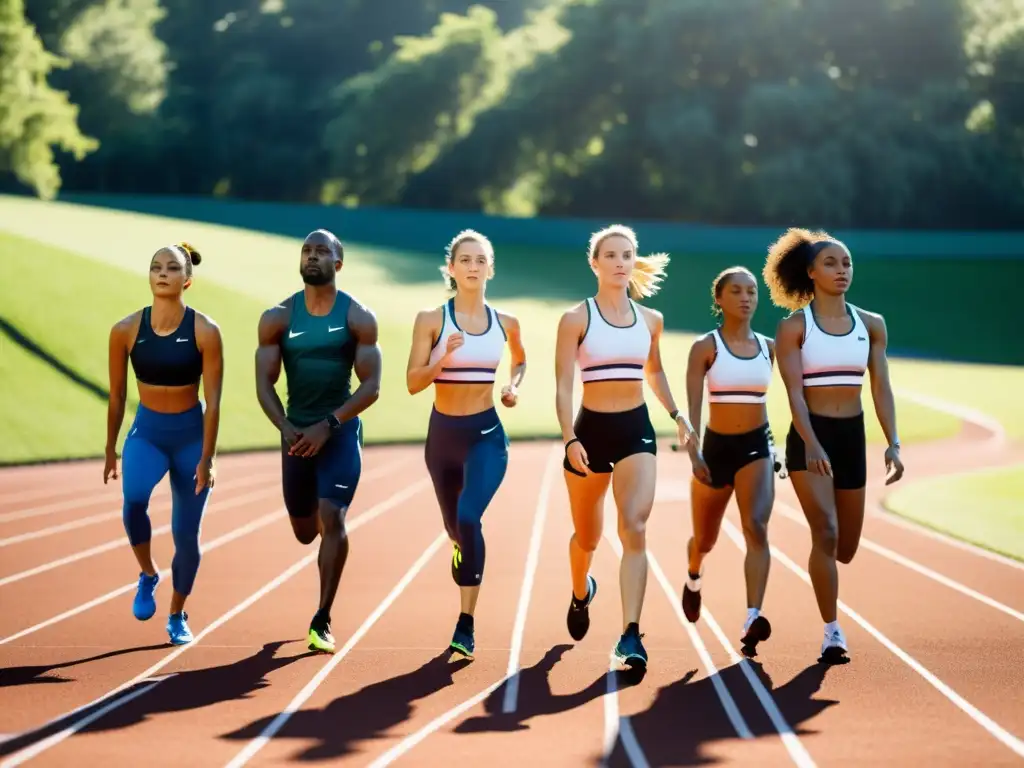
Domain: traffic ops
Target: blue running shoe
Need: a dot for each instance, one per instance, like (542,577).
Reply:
(630,650)
(177,629)
(145,603)
(462,639)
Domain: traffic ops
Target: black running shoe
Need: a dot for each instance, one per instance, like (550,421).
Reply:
(760,629)
(578,618)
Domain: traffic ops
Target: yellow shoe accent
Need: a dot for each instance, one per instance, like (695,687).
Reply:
(317,643)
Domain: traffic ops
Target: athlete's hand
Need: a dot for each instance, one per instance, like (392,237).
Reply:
(892,459)
(110,466)
(687,436)
(311,440)
(577,456)
(509,396)
(817,461)
(290,433)
(700,467)
(453,342)
(205,475)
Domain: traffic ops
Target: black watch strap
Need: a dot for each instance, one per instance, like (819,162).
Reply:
(333,423)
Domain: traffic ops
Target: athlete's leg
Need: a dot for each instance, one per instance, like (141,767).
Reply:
(443,456)
(298,486)
(633,484)
(143,466)
(850,519)
(707,508)
(187,512)
(338,471)
(755,496)
(586,503)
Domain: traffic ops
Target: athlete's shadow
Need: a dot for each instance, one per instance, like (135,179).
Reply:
(535,699)
(184,691)
(37,673)
(687,716)
(363,715)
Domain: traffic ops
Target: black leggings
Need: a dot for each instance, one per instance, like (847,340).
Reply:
(467,457)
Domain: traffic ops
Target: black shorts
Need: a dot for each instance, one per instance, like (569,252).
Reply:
(844,443)
(611,437)
(725,455)
(332,474)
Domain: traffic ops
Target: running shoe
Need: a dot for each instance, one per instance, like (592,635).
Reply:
(463,640)
(320,637)
(578,618)
(691,598)
(145,601)
(833,647)
(630,649)
(755,630)
(178,630)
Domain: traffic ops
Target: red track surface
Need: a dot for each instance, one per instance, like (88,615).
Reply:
(935,676)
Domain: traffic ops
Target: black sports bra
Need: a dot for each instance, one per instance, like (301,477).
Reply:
(167,361)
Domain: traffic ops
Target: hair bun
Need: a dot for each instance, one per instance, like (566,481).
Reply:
(193,255)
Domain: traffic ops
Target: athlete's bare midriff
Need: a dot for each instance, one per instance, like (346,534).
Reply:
(168,399)
(613,396)
(736,418)
(463,399)
(838,402)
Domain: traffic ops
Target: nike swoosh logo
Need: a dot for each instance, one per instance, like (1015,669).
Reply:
(646,440)
(486,431)
(293,334)
(181,340)
(343,487)
(332,330)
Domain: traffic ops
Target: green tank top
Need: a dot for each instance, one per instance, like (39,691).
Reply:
(318,354)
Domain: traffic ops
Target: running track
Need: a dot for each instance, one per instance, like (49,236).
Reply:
(936,632)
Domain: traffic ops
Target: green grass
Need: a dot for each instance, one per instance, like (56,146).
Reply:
(983,508)
(84,268)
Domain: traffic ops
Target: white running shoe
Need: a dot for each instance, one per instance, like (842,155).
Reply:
(834,647)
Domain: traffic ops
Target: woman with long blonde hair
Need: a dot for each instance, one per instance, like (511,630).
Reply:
(616,343)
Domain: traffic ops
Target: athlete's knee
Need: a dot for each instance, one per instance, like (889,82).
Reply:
(845,550)
(332,519)
(706,539)
(755,531)
(135,515)
(633,532)
(825,535)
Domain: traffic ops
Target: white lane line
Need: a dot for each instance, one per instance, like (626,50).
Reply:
(881,513)
(997,433)
(794,515)
(406,744)
(540,515)
(27,754)
(618,727)
(220,541)
(971,711)
(304,695)
(121,541)
(41,746)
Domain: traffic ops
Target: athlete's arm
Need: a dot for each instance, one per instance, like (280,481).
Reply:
(270,331)
(368,362)
(117,373)
(881,390)
(517,368)
(771,350)
(696,368)
(656,377)
(570,330)
(787,350)
(419,373)
(212,347)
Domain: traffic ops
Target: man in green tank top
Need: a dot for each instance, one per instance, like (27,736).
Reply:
(320,335)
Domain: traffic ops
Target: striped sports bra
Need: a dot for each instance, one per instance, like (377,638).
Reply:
(477,360)
(834,360)
(613,352)
(734,379)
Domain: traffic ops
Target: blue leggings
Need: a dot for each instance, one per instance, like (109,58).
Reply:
(159,443)
(467,457)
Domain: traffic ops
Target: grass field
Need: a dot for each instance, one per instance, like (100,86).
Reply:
(67,273)
(983,507)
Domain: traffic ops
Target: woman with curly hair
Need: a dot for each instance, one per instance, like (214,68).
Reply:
(171,347)
(823,349)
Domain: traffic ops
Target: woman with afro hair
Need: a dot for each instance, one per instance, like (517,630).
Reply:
(823,349)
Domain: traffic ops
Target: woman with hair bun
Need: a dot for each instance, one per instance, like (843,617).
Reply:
(171,347)
(616,344)
(457,347)
(823,349)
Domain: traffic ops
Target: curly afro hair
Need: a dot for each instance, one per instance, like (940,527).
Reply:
(785,269)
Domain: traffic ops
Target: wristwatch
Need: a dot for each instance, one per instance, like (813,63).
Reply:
(333,423)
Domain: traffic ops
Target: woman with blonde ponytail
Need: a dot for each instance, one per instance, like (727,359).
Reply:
(616,343)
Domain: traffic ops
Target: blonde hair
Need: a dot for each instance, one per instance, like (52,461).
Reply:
(453,246)
(648,271)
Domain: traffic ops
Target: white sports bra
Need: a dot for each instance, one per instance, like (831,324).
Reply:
(613,352)
(477,360)
(734,379)
(834,360)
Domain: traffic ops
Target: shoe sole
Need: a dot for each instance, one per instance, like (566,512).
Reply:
(696,615)
(760,629)
(834,655)
(633,661)
(459,647)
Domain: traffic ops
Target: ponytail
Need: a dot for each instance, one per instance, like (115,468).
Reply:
(648,271)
